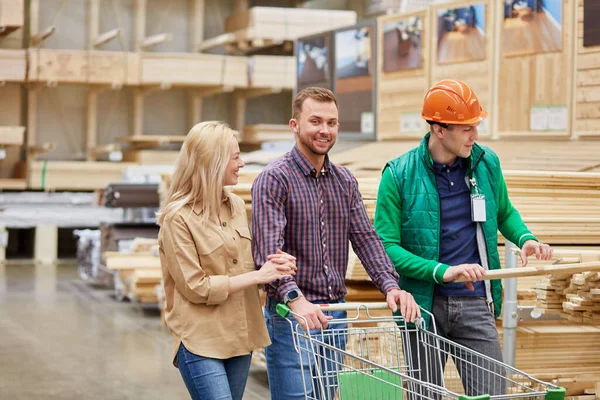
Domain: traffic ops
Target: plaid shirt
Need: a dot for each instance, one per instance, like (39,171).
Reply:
(311,216)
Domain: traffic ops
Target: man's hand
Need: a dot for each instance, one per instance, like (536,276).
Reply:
(473,272)
(313,314)
(408,306)
(542,251)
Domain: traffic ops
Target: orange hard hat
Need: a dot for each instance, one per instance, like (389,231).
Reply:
(452,102)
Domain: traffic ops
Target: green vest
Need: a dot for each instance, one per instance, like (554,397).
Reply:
(418,210)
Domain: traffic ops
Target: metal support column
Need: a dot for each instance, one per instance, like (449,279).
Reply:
(511,315)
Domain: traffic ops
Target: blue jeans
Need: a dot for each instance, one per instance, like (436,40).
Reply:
(213,379)
(289,378)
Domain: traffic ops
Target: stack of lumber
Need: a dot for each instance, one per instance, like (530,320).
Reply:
(522,154)
(266,132)
(138,273)
(13,65)
(11,135)
(12,16)
(74,175)
(194,69)
(576,297)
(272,72)
(123,68)
(260,27)
(81,66)
(557,351)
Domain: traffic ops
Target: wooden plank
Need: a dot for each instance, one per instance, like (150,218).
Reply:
(74,175)
(194,69)
(12,15)
(12,65)
(13,184)
(140,262)
(12,135)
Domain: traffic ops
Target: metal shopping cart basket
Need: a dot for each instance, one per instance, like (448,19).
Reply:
(382,357)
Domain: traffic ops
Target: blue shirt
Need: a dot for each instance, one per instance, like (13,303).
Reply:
(458,241)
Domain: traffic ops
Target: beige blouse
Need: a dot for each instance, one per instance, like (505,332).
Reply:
(197,261)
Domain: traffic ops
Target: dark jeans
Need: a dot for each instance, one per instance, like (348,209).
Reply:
(289,378)
(211,378)
(466,321)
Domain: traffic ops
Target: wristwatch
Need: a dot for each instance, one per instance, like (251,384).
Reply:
(292,295)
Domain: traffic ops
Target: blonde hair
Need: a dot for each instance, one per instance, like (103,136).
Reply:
(199,170)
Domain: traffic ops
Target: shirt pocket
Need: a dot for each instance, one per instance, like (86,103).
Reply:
(211,253)
(245,249)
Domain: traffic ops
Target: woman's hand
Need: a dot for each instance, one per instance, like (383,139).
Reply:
(277,266)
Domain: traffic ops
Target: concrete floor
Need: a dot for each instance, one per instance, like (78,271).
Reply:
(61,338)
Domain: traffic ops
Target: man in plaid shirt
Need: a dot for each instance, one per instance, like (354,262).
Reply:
(310,208)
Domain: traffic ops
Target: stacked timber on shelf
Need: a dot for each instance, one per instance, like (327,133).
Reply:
(13,65)
(266,132)
(122,68)
(559,207)
(74,175)
(11,137)
(587,82)
(272,71)
(260,27)
(12,15)
(522,154)
(561,352)
(138,272)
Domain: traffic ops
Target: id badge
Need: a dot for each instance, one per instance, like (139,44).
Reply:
(478,208)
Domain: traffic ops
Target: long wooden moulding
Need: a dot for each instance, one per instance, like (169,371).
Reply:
(272,71)
(74,175)
(194,69)
(288,23)
(80,66)
(13,65)
(12,135)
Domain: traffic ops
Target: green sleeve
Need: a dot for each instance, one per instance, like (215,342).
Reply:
(510,223)
(388,220)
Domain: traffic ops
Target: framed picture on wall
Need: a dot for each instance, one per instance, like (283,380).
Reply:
(461,34)
(532,26)
(354,79)
(591,28)
(402,44)
(313,57)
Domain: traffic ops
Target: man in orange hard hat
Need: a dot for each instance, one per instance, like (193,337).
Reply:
(439,208)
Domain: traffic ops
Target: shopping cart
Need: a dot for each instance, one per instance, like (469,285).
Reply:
(382,357)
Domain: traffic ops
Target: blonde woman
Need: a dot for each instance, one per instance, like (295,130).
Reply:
(211,285)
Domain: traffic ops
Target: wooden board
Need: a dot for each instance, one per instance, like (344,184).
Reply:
(473,51)
(400,92)
(78,66)
(268,16)
(266,132)
(12,15)
(194,69)
(13,184)
(151,157)
(151,141)
(261,27)
(74,175)
(272,72)
(13,65)
(587,82)
(12,135)
(539,79)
